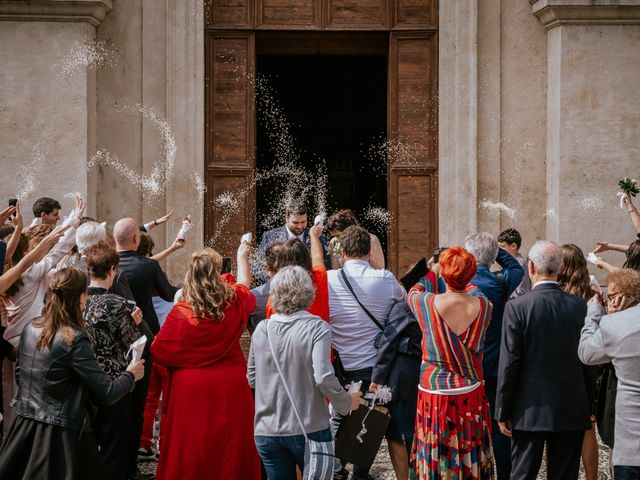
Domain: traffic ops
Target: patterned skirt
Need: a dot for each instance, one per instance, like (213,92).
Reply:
(452,438)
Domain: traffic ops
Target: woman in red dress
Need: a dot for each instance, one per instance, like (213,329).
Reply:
(208,431)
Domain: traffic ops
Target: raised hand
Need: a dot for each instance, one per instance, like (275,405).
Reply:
(602,247)
(165,217)
(6,213)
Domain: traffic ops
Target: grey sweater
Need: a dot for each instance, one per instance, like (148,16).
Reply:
(616,338)
(302,342)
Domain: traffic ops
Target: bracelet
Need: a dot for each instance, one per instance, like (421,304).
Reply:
(155,222)
(633,210)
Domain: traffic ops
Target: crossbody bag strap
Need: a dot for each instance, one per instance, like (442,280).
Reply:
(286,388)
(369,314)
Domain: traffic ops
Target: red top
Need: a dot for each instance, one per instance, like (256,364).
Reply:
(320,305)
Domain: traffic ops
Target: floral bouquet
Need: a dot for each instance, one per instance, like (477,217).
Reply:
(628,188)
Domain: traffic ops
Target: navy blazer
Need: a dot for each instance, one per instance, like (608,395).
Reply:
(542,385)
(279,234)
(490,285)
(260,313)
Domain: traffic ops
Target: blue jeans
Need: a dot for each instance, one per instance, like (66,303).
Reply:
(280,455)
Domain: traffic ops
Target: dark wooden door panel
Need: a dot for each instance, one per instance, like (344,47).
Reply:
(357,14)
(230,208)
(229,138)
(288,14)
(412,133)
(415,14)
(229,14)
(413,195)
(229,103)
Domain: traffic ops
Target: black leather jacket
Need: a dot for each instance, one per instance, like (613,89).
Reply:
(53,382)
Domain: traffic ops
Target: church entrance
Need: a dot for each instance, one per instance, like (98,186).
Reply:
(336,106)
(356,82)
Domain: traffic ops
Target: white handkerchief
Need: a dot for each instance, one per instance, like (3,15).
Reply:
(592,258)
(137,348)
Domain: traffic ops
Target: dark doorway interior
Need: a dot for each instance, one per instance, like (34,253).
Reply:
(337,107)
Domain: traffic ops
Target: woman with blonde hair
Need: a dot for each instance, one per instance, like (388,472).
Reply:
(208,427)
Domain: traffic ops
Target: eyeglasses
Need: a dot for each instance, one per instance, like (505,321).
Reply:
(612,296)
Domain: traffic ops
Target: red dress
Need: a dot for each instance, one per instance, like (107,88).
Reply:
(208,430)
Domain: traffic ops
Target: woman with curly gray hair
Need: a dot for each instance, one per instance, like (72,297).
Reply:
(301,344)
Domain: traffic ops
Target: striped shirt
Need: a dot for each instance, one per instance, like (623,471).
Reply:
(448,360)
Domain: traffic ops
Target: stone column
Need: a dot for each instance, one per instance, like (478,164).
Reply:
(593,116)
(185,113)
(47,128)
(458,119)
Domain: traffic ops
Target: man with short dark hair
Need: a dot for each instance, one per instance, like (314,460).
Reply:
(296,225)
(511,240)
(355,332)
(47,211)
(543,388)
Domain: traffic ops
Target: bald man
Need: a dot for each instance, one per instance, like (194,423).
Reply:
(146,279)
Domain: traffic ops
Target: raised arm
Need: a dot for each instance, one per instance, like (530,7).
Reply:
(633,212)
(377,255)
(317,253)
(12,244)
(177,244)
(511,269)
(244,272)
(605,246)
(147,227)
(34,255)
(591,349)
(600,263)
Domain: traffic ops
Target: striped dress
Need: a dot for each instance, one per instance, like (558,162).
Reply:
(453,426)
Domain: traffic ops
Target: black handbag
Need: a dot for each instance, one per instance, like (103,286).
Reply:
(360,434)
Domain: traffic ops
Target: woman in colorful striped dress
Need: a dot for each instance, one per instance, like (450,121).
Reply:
(453,426)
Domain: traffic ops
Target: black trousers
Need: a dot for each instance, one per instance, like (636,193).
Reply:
(111,429)
(138,400)
(563,454)
(501,443)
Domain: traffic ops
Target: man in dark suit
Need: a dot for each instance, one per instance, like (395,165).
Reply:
(543,388)
(497,287)
(146,278)
(296,225)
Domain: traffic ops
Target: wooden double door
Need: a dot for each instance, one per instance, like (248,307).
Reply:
(238,30)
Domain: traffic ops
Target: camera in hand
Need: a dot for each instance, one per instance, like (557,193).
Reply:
(437,252)
(131,305)
(13,202)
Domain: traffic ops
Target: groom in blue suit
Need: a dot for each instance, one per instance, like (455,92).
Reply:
(296,225)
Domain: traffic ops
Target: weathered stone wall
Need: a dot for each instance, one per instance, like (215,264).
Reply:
(47,115)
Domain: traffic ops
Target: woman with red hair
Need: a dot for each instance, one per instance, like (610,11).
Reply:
(453,425)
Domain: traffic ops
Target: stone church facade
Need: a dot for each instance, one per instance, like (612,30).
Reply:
(537,108)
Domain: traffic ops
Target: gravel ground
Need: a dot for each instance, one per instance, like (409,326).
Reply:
(382,469)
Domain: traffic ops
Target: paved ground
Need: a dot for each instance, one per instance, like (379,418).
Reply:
(382,469)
